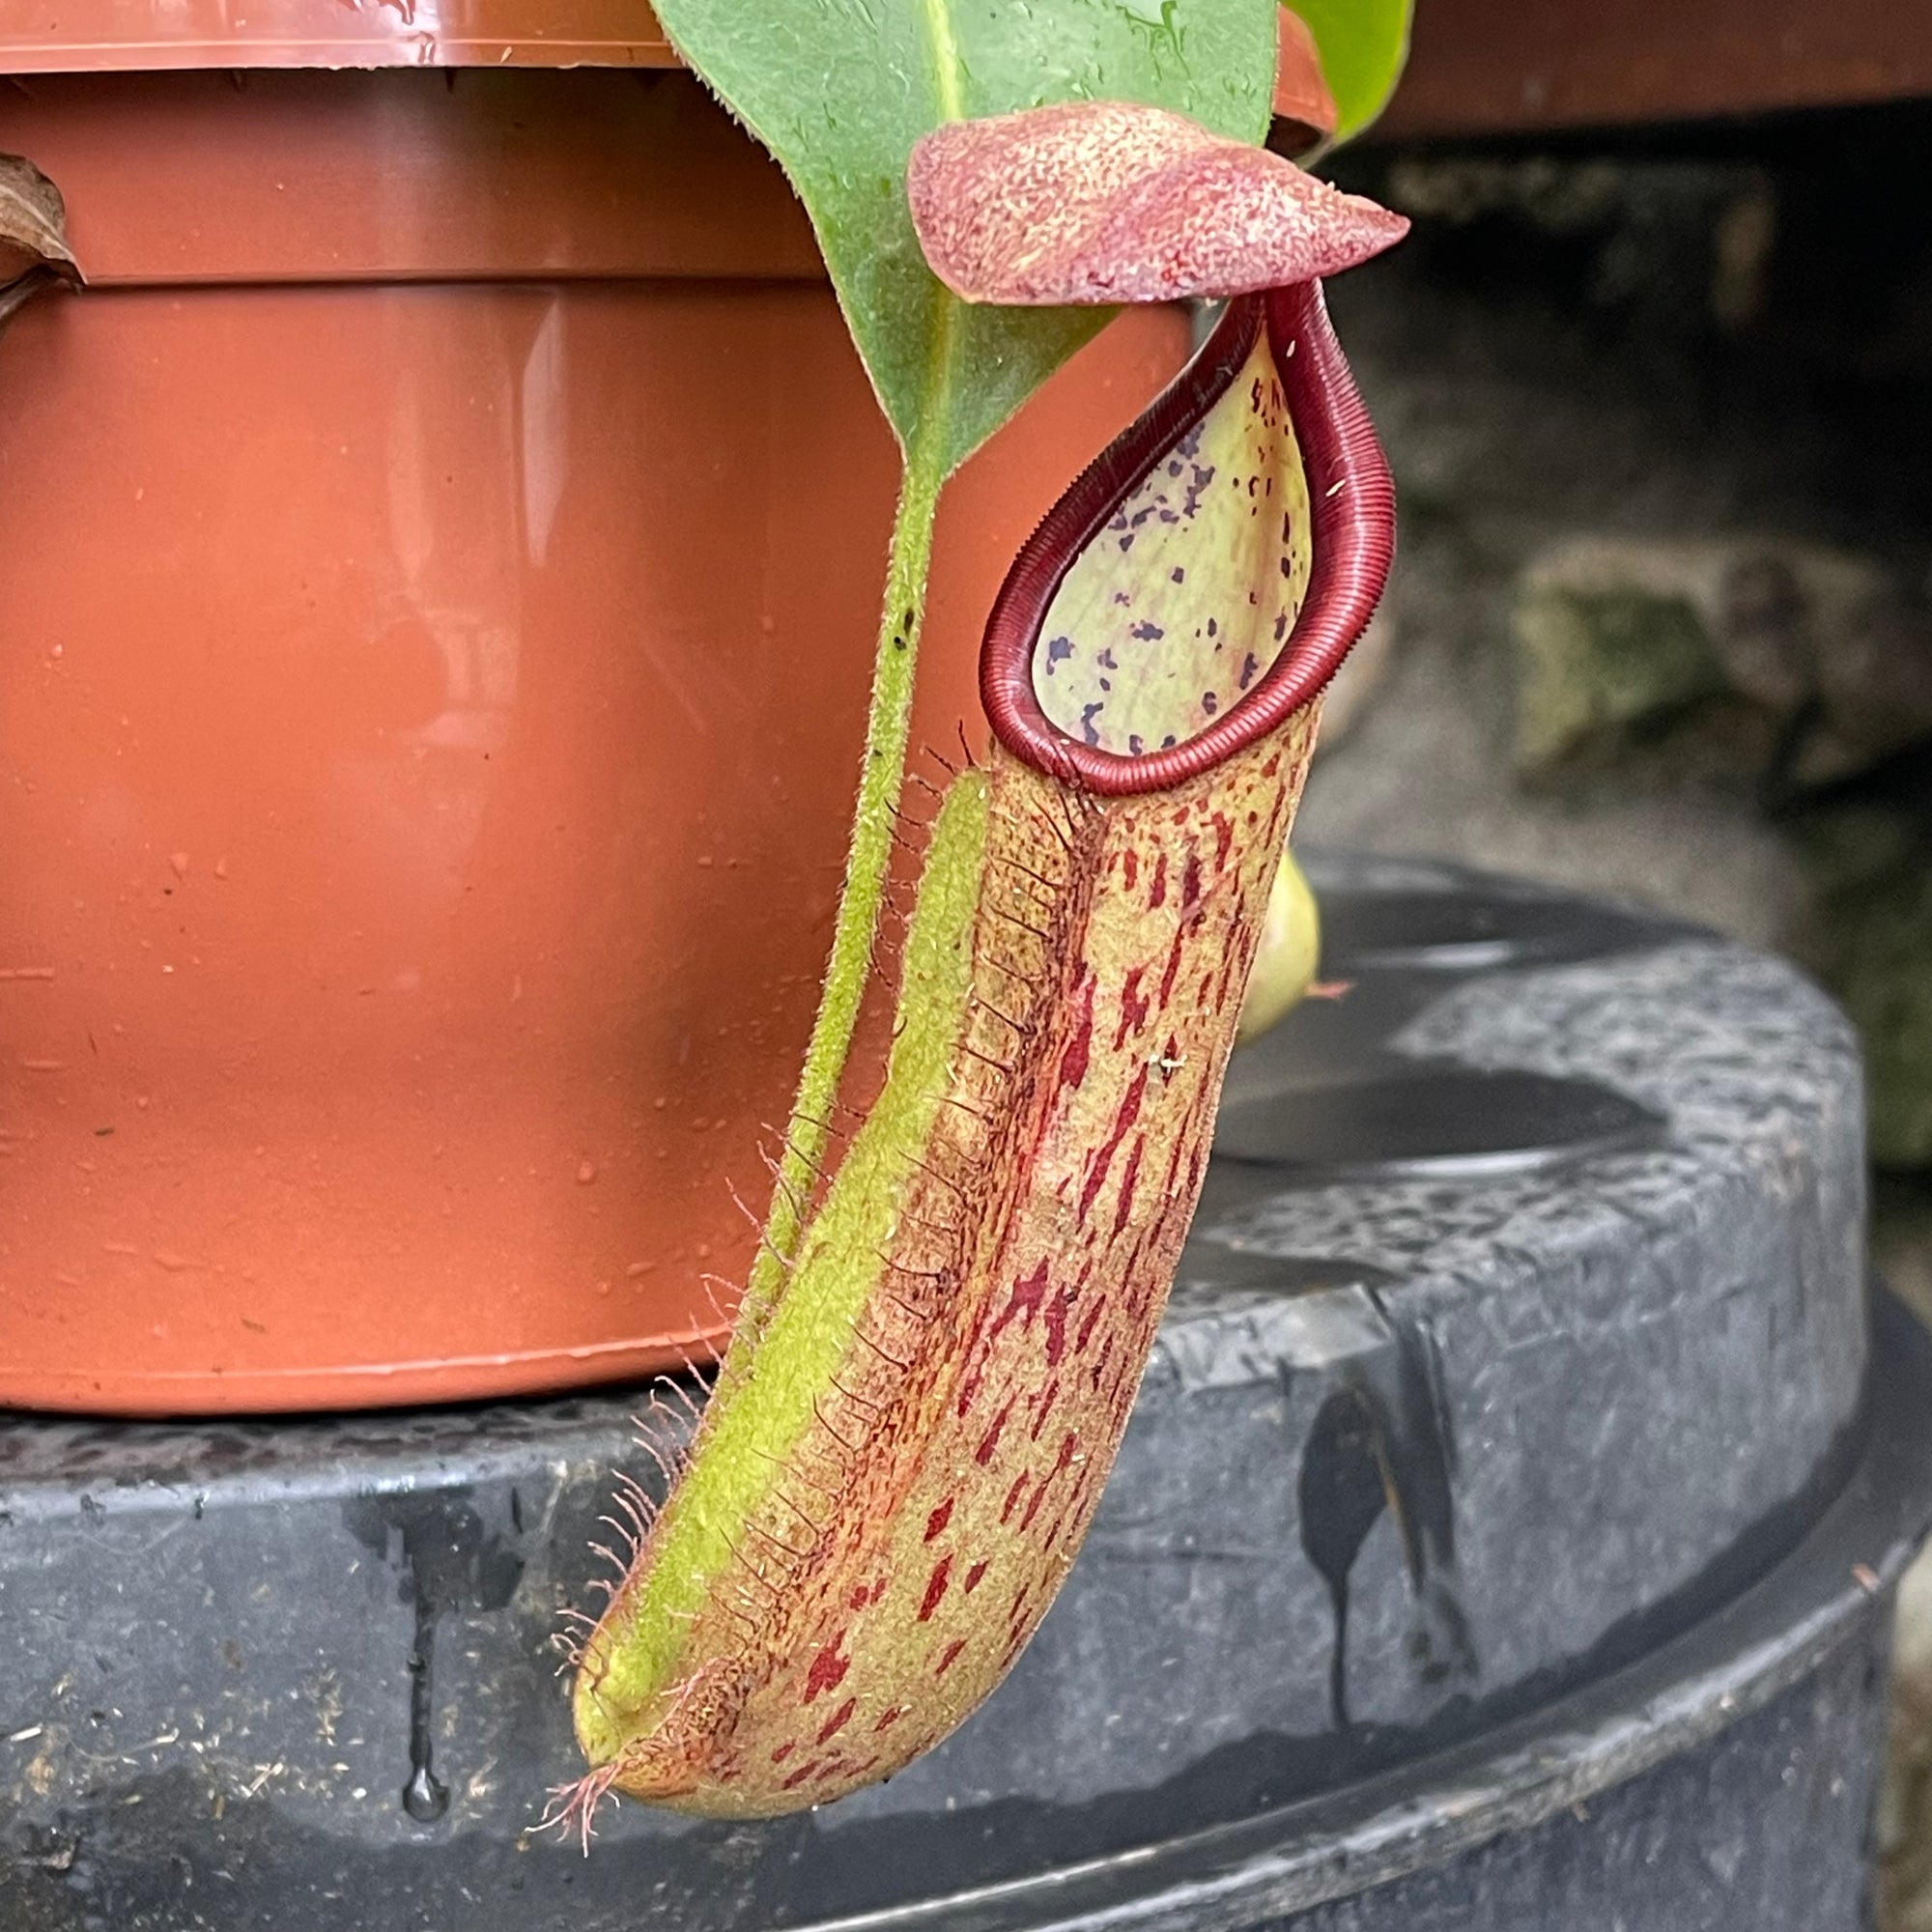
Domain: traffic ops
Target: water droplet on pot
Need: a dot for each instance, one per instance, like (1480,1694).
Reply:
(425,1797)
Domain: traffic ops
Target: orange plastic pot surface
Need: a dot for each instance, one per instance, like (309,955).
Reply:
(440,555)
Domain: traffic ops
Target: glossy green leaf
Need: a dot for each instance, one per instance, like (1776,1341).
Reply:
(1363,46)
(840,90)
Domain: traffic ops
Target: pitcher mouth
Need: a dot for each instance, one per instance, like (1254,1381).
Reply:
(1352,517)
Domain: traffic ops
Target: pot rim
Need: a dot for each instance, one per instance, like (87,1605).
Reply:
(143,36)
(137,36)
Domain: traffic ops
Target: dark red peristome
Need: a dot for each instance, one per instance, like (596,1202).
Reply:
(1351,502)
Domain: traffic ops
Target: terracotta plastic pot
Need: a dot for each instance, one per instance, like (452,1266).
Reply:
(440,555)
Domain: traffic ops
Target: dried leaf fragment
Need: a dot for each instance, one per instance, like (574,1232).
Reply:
(33,236)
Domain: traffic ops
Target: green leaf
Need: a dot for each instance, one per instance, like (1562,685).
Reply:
(1363,46)
(838,90)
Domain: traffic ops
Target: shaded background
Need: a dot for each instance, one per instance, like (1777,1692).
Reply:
(1654,372)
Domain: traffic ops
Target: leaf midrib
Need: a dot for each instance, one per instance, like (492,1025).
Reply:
(929,433)
(945,62)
